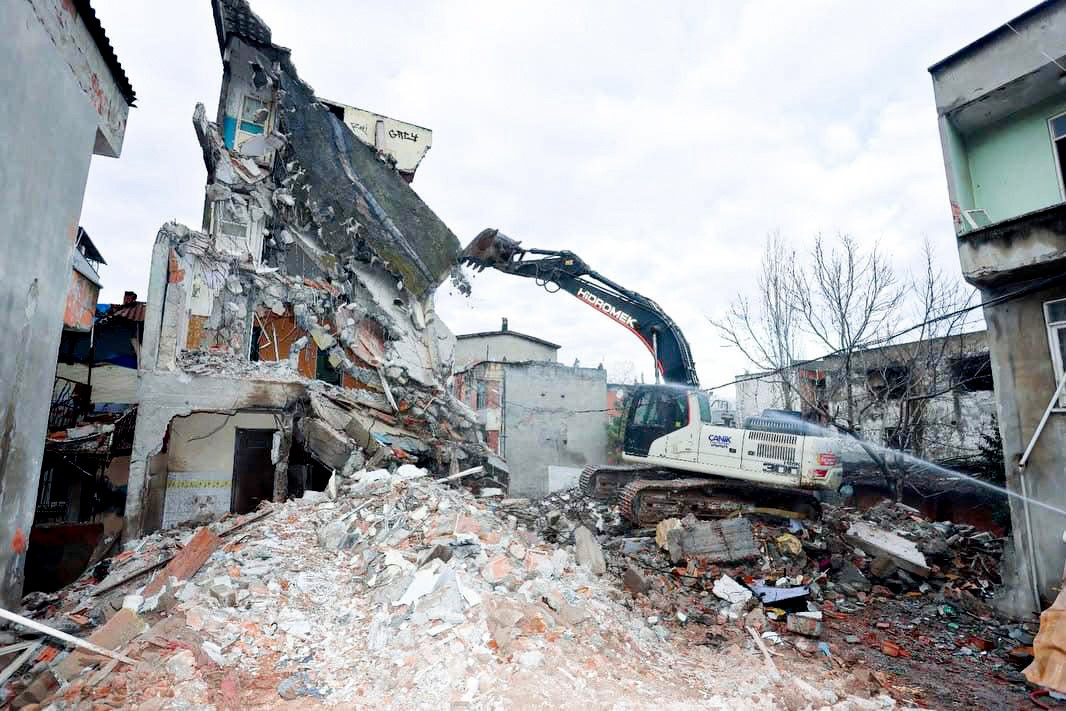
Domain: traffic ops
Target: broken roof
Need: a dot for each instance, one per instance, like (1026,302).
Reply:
(351,183)
(86,247)
(234,18)
(103,44)
(360,204)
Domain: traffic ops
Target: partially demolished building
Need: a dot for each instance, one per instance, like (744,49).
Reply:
(297,326)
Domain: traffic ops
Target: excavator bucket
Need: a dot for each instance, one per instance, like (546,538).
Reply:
(491,248)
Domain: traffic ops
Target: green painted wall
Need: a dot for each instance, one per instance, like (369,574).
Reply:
(1012,164)
(958,165)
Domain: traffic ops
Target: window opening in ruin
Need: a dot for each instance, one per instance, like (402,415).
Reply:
(229,221)
(480,402)
(972,374)
(254,114)
(253,350)
(1055,316)
(325,371)
(888,383)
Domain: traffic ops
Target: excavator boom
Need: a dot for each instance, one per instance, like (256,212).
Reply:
(564,270)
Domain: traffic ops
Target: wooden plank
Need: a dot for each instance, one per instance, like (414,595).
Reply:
(717,541)
(160,563)
(14,666)
(93,643)
(185,564)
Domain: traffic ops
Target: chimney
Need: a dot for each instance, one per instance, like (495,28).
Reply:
(503,325)
(129,297)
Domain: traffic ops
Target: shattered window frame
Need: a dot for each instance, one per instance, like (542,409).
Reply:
(257,127)
(223,225)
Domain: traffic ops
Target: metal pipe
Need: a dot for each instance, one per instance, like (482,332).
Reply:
(1043,421)
(1034,577)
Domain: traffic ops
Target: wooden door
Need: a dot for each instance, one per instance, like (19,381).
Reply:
(253,472)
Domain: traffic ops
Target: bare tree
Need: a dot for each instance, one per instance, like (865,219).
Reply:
(766,331)
(903,378)
(846,298)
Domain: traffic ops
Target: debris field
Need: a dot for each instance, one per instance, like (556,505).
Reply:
(392,588)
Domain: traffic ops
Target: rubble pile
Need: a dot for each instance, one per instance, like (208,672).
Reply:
(392,589)
(863,587)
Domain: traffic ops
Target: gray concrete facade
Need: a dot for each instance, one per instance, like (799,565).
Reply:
(1025,382)
(998,102)
(61,105)
(554,415)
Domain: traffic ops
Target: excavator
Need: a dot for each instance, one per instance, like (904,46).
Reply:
(677,461)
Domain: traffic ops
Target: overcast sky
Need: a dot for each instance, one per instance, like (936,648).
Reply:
(659,141)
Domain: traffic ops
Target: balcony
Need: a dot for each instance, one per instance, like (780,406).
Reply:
(1025,247)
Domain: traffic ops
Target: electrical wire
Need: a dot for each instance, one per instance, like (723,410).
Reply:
(1029,288)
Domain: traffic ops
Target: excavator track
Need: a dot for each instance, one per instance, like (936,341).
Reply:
(647,502)
(604,482)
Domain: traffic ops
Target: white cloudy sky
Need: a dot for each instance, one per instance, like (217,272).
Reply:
(659,141)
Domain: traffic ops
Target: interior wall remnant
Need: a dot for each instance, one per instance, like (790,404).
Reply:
(166,395)
(200,463)
(155,491)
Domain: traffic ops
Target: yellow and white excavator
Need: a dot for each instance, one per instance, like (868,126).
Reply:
(676,460)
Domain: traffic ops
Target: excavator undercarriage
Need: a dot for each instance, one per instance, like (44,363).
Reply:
(647,495)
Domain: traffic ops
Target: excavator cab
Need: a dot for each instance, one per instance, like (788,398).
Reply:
(654,411)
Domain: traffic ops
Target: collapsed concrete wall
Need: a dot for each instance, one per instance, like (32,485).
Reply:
(309,290)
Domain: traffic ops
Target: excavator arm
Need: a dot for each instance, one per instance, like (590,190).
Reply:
(564,270)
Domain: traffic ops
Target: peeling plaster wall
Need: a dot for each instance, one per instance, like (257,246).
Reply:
(202,444)
(75,49)
(81,302)
(165,396)
(49,123)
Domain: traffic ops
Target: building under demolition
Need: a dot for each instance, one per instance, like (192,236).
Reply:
(294,334)
(933,399)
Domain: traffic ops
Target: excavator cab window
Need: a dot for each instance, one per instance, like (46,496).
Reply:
(705,408)
(655,412)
